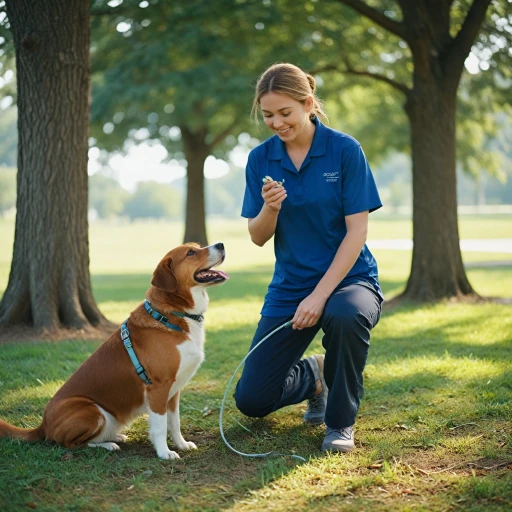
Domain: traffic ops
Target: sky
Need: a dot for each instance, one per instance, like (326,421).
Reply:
(147,162)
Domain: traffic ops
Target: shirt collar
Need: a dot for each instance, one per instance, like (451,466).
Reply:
(318,146)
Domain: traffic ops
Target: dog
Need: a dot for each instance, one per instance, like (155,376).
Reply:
(142,367)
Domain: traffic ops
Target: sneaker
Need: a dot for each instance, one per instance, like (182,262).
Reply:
(315,415)
(339,439)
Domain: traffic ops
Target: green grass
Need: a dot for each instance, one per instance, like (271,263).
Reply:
(434,430)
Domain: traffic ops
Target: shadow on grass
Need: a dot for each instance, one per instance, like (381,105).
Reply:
(52,477)
(211,478)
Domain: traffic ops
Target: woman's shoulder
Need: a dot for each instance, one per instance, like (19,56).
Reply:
(263,149)
(342,139)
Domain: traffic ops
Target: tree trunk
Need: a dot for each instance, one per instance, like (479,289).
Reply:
(196,152)
(437,270)
(49,284)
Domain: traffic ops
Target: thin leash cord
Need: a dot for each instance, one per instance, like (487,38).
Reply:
(268,454)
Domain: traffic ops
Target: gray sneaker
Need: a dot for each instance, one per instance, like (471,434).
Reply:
(315,415)
(339,439)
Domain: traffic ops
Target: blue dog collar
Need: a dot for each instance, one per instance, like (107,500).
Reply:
(165,321)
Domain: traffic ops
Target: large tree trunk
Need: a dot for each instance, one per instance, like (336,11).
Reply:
(49,285)
(196,152)
(437,270)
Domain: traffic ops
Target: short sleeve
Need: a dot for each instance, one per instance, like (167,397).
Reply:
(359,189)
(253,202)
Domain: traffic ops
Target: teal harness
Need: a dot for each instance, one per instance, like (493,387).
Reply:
(125,336)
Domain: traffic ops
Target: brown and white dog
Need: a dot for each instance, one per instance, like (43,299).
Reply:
(105,394)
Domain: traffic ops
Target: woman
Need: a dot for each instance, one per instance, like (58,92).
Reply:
(316,207)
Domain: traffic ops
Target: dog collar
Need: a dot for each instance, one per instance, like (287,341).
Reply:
(164,320)
(197,318)
(125,336)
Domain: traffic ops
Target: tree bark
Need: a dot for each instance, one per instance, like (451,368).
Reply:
(196,151)
(49,284)
(437,269)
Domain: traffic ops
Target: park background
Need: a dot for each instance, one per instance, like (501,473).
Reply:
(434,431)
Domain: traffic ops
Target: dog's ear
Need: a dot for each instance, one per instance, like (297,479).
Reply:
(164,278)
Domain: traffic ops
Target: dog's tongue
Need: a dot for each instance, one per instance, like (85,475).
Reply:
(223,274)
(212,274)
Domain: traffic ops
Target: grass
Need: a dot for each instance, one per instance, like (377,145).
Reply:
(434,430)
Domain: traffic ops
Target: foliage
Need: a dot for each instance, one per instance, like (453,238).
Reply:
(154,200)
(149,79)
(106,196)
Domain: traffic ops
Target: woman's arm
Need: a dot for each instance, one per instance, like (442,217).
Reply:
(263,226)
(311,308)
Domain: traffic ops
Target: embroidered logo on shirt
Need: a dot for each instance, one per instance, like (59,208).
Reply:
(331,177)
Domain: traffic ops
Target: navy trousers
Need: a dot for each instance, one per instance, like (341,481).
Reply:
(275,376)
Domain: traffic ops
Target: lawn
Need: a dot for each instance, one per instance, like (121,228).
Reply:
(434,430)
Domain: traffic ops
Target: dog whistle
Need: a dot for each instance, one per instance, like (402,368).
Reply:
(268,179)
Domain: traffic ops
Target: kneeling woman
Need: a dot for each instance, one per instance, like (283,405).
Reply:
(316,207)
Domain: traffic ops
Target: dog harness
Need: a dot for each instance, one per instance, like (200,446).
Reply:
(125,335)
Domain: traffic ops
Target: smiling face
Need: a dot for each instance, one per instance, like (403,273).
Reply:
(286,117)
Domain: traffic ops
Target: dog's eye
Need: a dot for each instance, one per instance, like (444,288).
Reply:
(191,253)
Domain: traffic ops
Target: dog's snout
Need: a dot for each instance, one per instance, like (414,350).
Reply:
(219,246)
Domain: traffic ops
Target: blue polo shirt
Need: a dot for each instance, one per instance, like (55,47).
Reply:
(334,181)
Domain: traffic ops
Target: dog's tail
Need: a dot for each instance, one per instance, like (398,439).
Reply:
(25,434)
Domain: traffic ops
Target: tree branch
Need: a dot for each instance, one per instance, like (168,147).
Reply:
(378,17)
(377,76)
(107,11)
(463,41)
(223,134)
(351,70)
(327,67)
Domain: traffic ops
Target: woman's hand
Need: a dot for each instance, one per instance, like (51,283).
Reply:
(273,194)
(309,311)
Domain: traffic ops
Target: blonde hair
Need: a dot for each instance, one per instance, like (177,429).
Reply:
(288,79)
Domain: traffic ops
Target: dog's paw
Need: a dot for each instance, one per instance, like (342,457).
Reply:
(111,447)
(121,438)
(168,455)
(186,445)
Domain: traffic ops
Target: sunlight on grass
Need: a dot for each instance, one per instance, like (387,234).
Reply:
(435,417)
(118,312)
(456,370)
(42,392)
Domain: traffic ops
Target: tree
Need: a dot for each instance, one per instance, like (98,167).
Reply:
(189,86)
(49,284)
(440,35)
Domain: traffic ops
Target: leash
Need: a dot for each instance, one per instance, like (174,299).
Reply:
(271,453)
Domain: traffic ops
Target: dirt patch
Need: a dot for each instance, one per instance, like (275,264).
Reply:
(397,301)
(29,334)
(427,463)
